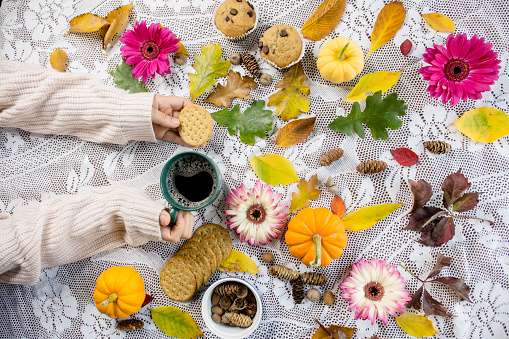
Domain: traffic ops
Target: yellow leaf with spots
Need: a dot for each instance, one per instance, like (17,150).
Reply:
(274,169)
(417,325)
(439,22)
(237,261)
(484,124)
(365,217)
(373,82)
(58,59)
(307,191)
(389,21)
(87,23)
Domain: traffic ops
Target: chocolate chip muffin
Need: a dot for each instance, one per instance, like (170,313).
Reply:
(234,18)
(281,45)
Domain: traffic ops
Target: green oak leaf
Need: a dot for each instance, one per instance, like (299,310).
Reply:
(175,323)
(124,79)
(255,121)
(378,115)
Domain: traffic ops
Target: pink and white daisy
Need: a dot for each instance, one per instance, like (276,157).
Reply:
(147,48)
(256,214)
(461,70)
(375,289)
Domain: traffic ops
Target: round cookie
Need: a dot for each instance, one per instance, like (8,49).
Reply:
(281,45)
(219,234)
(177,281)
(206,251)
(195,125)
(210,243)
(192,265)
(235,18)
(200,259)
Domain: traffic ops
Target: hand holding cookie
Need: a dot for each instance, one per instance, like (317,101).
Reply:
(165,112)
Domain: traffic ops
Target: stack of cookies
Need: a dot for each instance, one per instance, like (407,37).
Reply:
(195,262)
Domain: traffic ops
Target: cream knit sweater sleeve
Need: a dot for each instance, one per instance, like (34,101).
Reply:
(67,228)
(42,100)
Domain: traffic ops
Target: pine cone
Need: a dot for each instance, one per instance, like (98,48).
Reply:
(129,325)
(283,272)
(371,166)
(250,62)
(241,320)
(298,290)
(331,156)
(313,278)
(227,290)
(437,147)
(251,310)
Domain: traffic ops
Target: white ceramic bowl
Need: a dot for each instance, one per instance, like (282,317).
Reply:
(225,331)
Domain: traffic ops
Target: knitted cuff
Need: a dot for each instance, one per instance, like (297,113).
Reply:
(142,222)
(136,117)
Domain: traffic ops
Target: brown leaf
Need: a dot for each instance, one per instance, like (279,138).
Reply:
(466,202)
(422,217)
(114,15)
(421,193)
(454,186)
(321,334)
(457,285)
(323,21)
(434,307)
(87,23)
(439,234)
(337,206)
(415,302)
(442,261)
(236,87)
(58,59)
(307,191)
(118,21)
(295,131)
(389,21)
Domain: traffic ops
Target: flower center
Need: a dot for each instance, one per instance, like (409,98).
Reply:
(256,214)
(456,70)
(373,291)
(150,50)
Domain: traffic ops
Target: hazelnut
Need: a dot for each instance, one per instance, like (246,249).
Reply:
(180,59)
(215,299)
(328,297)
(217,310)
(313,294)
(265,80)
(235,59)
(216,318)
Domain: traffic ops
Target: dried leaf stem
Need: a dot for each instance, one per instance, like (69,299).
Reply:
(413,275)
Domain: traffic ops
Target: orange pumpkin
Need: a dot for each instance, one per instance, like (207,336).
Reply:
(316,236)
(119,291)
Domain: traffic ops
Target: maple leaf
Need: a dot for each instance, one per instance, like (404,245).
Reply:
(421,193)
(208,67)
(454,186)
(291,100)
(124,79)
(307,191)
(255,121)
(378,115)
(236,87)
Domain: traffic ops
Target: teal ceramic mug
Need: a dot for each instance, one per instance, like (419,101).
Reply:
(190,181)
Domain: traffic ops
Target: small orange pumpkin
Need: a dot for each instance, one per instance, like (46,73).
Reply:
(119,291)
(316,236)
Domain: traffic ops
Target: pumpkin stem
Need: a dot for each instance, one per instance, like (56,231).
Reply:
(317,239)
(341,55)
(113,297)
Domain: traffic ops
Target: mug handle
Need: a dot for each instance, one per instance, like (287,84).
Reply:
(173,214)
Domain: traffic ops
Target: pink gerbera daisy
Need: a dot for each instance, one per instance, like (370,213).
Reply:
(375,289)
(461,70)
(146,48)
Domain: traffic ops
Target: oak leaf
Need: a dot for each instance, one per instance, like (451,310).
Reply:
(123,78)
(236,87)
(321,334)
(405,156)
(175,323)
(373,82)
(274,169)
(295,131)
(255,121)
(208,67)
(389,21)
(378,115)
(307,191)
(439,22)
(483,124)
(365,217)
(87,23)
(421,193)
(291,99)
(58,59)
(323,21)
(337,206)
(117,19)
(238,262)
(416,324)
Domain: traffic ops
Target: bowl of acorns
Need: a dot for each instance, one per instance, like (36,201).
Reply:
(231,308)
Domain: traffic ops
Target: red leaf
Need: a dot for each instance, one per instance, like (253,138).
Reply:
(337,206)
(406,47)
(442,261)
(421,193)
(422,216)
(454,186)
(433,307)
(148,299)
(405,156)
(438,234)
(415,302)
(466,202)
(457,285)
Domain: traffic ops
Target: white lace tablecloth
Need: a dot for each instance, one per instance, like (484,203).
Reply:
(34,167)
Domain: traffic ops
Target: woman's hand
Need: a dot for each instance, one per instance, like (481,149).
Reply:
(165,112)
(183,228)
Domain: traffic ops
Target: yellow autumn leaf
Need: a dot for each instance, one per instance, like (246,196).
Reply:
(417,325)
(117,18)
(365,217)
(373,82)
(294,132)
(439,22)
(274,169)
(57,59)
(307,191)
(182,49)
(321,334)
(323,21)
(291,100)
(237,261)
(389,21)
(483,124)
(87,23)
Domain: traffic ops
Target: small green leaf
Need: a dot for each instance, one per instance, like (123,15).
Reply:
(255,121)
(378,115)
(175,323)
(124,79)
